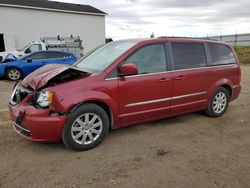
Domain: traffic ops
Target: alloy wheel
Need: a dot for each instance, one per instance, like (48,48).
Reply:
(219,102)
(14,74)
(86,128)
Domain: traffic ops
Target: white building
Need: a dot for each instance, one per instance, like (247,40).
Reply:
(29,20)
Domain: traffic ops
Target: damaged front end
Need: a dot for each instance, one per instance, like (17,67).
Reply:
(19,94)
(36,83)
(51,75)
(34,116)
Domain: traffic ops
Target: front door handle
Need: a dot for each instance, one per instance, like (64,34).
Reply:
(164,80)
(180,77)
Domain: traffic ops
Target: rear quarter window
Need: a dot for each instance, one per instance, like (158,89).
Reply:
(188,55)
(221,54)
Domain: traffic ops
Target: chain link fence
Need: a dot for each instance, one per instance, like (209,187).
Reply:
(234,40)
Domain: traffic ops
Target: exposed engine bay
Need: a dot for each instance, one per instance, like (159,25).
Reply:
(67,75)
(51,75)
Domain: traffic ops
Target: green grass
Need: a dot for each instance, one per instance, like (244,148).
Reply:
(243,53)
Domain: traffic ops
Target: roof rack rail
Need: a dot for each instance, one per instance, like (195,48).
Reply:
(205,38)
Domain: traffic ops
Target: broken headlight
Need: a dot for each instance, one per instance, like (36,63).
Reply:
(44,98)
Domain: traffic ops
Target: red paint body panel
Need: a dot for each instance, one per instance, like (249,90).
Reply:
(144,88)
(167,94)
(196,81)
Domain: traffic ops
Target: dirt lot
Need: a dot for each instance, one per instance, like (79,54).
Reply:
(188,151)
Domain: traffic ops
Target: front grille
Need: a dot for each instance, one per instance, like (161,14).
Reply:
(19,93)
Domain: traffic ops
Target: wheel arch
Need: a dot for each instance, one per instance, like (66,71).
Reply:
(101,104)
(10,67)
(225,83)
(7,68)
(228,88)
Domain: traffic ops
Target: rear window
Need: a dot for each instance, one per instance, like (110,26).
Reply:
(188,55)
(221,54)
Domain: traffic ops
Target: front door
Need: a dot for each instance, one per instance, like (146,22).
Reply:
(147,95)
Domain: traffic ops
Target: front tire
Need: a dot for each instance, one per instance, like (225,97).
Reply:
(14,74)
(218,104)
(86,127)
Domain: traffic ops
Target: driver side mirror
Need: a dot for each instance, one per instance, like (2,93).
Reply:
(29,60)
(128,69)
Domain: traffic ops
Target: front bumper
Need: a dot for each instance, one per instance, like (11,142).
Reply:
(36,124)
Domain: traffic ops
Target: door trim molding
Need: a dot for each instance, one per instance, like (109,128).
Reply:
(148,102)
(189,95)
(165,99)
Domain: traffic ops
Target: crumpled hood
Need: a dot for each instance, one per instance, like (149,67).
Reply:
(41,76)
(5,55)
(15,53)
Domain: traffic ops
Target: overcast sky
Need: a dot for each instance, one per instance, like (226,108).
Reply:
(193,18)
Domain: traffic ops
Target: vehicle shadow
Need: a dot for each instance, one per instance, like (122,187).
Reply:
(2,78)
(125,132)
(163,122)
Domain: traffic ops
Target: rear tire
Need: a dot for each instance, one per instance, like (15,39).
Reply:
(14,74)
(218,104)
(86,127)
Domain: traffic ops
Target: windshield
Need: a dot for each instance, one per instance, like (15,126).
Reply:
(104,56)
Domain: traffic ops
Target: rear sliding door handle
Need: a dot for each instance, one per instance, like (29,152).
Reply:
(180,77)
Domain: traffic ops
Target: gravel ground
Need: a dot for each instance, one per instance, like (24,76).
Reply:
(187,151)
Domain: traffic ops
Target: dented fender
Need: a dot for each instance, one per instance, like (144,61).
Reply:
(65,103)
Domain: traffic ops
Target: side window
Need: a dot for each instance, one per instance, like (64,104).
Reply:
(52,55)
(221,54)
(149,59)
(188,55)
(37,56)
(33,48)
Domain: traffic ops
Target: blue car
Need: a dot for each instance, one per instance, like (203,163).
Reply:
(14,68)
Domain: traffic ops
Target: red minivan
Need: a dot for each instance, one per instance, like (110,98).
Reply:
(124,83)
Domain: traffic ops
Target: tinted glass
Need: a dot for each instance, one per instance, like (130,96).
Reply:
(221,54)
(36,56)
(52,55)
(188,55)
(149,59)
